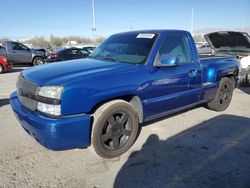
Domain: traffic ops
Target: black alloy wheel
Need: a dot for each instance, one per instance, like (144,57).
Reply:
(116,131)
(223,96)
(115,128)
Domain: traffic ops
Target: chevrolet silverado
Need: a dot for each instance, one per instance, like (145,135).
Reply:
(131,78)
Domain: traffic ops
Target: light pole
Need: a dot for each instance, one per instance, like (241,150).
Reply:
(242,24)
(192,22)
(93,17)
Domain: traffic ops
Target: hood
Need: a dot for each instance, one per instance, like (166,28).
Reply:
(37,52)
(69,72)
(229,41)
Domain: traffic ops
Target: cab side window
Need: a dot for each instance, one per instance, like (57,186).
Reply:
(177,45)
(17,46)
(84,52)
(72,52)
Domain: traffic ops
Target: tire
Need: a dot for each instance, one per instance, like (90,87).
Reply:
(246,80)
(1,69)
(223,96)
(115,128)
(38,61)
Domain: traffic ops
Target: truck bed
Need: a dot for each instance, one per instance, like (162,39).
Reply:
(221,63)
(202,56)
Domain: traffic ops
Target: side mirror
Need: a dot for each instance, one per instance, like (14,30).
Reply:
(167,60)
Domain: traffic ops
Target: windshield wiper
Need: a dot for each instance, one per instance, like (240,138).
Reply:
(91,57)
(108,57)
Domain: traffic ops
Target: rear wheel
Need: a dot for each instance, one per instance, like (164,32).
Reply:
(38,61)
(223,96)
(115,128)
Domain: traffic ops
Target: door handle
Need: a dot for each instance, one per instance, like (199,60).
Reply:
(13,52)
(192,73)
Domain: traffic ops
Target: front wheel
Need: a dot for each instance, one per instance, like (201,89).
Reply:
(1,69)
(38,61)
(115,128)
(223,96)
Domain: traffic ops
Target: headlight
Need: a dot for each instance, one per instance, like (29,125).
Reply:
(51,104)
(53,92)
(49,108)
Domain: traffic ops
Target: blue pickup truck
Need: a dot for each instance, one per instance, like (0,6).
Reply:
(131,78)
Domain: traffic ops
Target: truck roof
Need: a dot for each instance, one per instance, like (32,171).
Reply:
(7,41)
(155,31)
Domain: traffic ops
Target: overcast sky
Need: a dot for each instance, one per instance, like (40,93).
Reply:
(29,18)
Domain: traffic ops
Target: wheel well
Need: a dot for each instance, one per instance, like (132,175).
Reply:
(135,102)
(231,77)
(36,57)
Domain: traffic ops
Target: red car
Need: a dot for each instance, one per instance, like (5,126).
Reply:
(4,65)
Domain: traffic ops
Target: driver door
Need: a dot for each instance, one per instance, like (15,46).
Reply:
(170,86)
(20,54)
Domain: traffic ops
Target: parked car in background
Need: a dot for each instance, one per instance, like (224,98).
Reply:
(89,48)
(131,78)
(5,66)
(40,50)
(204,49)
(67,54)
(233,43)
(19,54)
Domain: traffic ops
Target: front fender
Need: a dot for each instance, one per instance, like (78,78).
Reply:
(84,95)
(79,100)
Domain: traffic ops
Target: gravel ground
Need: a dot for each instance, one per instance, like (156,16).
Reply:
(194,148)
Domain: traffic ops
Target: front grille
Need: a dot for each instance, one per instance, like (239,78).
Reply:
(26,93)
(28,103)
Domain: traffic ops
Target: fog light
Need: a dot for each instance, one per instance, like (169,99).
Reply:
(49,108)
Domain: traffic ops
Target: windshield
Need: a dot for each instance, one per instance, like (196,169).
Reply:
(131,48)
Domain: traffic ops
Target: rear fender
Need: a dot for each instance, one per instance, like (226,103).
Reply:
(217,70)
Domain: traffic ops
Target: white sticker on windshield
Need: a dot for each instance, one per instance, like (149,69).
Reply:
(145,36)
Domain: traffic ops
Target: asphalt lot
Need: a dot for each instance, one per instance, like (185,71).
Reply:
(194,148)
